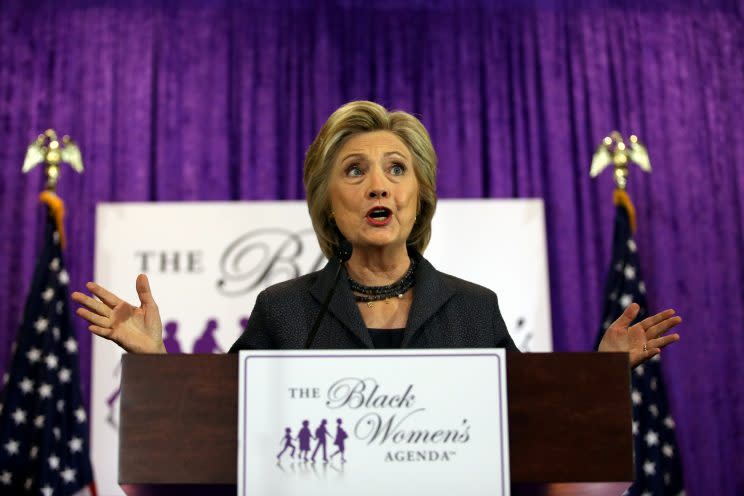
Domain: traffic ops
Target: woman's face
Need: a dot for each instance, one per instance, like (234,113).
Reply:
(374,191)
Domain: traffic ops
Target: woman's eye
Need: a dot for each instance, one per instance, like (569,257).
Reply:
(398,169)
(354,171)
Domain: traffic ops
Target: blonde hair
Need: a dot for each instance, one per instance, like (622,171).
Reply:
(362,117)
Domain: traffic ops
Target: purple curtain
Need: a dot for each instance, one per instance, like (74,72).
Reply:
(195,100)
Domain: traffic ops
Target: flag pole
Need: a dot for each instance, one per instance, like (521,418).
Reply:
(658,469)
(44,430)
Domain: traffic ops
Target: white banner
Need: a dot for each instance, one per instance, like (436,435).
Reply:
(207,262)
(330,423)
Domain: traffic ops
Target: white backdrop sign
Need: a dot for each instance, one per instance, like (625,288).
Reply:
(334,423)
(207,262)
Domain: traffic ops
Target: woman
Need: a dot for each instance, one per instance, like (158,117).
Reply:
(304,437)
(370,179)
(339,440)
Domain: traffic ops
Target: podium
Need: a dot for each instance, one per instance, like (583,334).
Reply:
(569,422)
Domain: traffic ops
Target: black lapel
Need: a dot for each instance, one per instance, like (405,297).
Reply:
(342,305)
(429,294)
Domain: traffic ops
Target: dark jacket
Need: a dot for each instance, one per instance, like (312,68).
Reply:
(446,312)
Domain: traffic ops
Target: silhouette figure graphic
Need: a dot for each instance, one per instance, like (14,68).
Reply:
(169,340)
(320,434)
(113,398)
(206,343)
(287,440)
(304,437)
(341,436)
(243,324)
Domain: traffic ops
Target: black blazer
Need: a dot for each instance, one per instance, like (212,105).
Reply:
(446,312)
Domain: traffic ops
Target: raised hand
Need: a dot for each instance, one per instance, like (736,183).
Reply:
(137,330)
(643,340)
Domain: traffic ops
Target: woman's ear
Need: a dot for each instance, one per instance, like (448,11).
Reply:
(343,247)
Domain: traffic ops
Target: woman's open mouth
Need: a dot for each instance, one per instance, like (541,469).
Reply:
(379,216)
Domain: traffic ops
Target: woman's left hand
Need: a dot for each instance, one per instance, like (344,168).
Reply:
(642,340)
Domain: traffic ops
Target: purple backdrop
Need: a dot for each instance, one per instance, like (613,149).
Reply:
(195,100)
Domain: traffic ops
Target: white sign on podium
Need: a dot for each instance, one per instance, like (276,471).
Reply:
(330,423)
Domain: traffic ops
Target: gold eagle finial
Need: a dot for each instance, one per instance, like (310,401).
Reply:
(613,150)
(47,149)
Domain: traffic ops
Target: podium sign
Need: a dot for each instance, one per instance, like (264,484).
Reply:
(387,422)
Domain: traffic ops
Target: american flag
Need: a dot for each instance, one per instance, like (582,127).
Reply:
(658,470)
(43,424)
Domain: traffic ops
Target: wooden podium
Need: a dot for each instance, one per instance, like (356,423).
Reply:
(569,421)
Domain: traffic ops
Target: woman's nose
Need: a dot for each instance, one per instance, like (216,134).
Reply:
(377,186)
(378,193)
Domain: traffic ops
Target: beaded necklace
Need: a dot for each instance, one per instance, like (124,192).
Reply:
(372,294)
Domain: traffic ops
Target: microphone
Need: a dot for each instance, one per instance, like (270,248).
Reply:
(343,254)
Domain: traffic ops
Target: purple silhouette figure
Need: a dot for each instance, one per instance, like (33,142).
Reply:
(206,342)
(287,440)
(111,401)
(170,341)
(341,436)
(243,324)
(320,434)
(304,437)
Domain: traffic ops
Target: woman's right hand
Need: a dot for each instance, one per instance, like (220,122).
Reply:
(137,330)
